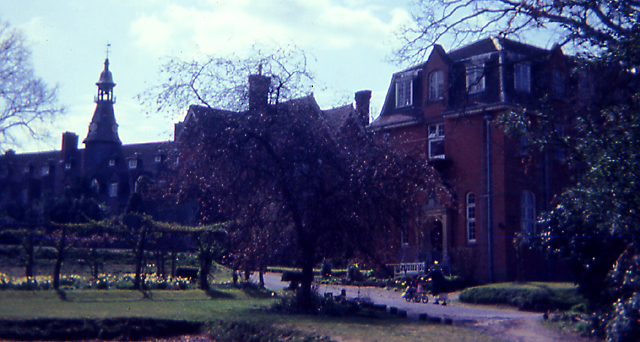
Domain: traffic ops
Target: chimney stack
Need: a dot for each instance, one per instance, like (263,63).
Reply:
(69,145)
(363,100)
(258,91)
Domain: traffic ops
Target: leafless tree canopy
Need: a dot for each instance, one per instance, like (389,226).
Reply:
(27,104)
(221,81)
(587,24)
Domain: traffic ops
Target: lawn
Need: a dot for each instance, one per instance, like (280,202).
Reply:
(226,305)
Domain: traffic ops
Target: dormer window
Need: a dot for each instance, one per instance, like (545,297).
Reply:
(67,166)
(404,92)
(436,85)
(45,170)
(475,77)
(133,163)
(158,158)
(522,77)
(112,162)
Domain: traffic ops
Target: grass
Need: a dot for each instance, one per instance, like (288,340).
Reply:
(227,305)
(532,296)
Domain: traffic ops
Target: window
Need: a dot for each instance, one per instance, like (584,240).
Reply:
(45,170)
(158,158)
(436,85)
(527,212)
(95,186)
(113,190)
(475,77)
(404,239)
(436,141)
(404,93)
(133,163)
(112,162)
(67,166)
(522,77)
(471,217)
(557,84)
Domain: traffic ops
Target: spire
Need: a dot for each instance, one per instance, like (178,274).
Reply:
(105,84)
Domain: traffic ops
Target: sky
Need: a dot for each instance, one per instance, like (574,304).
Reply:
(350,41)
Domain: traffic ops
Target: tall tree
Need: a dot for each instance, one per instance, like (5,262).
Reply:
(276,169)
(601,207)
(27,104)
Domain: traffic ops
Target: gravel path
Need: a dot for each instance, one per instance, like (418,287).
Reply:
(506,324)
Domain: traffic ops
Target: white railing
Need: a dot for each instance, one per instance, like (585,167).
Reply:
(401,270)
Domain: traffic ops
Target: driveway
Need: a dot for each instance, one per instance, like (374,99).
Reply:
(506,324)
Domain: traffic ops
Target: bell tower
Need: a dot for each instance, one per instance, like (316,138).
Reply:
(102,144)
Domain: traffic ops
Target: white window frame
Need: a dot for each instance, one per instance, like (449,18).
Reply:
(436,85)
(471,215)
(475,77)
(133,163)
(404,92)
(436,135)
(67,166)
(522,77)
(112,162)
(158,158)
(113,190)
(528,213)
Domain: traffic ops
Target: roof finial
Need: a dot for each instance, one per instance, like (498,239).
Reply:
(108,46)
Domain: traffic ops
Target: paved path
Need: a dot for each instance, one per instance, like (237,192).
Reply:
(506,324)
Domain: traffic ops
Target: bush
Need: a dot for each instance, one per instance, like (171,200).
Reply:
(76,329)
(188,272)
(532,297)
(354,274)
(244,331)
(326,268)
(294,277)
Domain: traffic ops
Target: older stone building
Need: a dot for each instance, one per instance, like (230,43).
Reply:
(106,166)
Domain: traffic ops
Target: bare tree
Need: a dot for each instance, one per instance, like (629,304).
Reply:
(221,81)
(589,25)
(27,104)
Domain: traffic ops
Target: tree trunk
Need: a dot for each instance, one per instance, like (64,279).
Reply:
(61,247)
(261,275)
(30,250)
(305,294)
(173,259)
(139,256)
(205,269)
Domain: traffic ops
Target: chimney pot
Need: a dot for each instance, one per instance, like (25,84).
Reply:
(363,101)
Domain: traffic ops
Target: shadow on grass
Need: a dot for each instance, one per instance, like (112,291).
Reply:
(257,291)
(216,294)
(61,294)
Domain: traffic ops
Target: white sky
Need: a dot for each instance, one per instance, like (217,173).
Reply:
(351,40)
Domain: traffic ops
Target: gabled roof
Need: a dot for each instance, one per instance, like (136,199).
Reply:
(334,118)
(489,45)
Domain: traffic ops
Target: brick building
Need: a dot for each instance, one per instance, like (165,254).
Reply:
(106,166)
(443,110)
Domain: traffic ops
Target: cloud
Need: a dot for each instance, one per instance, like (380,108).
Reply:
(232,26)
